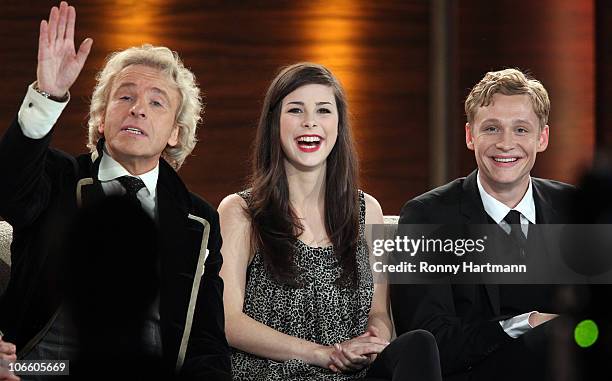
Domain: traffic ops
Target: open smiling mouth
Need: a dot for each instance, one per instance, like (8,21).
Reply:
(505,159)
(309,143)
(505,162)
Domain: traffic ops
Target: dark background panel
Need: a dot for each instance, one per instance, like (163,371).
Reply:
(377,49)
(554,40)
(381,51)
(604,75)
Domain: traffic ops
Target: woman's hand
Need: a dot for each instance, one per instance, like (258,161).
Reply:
(357,353)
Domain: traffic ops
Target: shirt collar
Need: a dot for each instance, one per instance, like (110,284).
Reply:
(498,210)
(110,169)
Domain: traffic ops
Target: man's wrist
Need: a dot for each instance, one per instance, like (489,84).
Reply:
(47,95)
(38,114)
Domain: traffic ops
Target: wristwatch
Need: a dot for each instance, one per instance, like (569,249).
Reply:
(49,96)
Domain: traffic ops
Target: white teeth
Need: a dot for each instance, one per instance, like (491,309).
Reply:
(309,139)
(133,130)
(505,159)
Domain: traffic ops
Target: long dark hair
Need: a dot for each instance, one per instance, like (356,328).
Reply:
(275,226)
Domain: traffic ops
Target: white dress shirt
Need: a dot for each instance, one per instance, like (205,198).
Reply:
(110,170)
(517,325)
(38,114)
(497,210)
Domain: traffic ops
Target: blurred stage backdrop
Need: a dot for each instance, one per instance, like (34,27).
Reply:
(407,66)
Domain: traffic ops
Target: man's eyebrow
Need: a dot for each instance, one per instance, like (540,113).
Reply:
(161,92)
(154,89)
(125,84)
(490,120)
(514,121)
(521,121)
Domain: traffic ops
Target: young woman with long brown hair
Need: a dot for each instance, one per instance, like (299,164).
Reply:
(300,302)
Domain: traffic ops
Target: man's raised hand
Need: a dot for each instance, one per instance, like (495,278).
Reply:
(59,64)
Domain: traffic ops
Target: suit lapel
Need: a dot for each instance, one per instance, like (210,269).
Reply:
(471,204)
(545,214)
(88,188)
(474,213)
(89,191)
(180,240)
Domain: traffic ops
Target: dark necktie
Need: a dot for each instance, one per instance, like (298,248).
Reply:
(513,218)
(132,185)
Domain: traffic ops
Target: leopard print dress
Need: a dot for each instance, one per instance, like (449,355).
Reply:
(320,311)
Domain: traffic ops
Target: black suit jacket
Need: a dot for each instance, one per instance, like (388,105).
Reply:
(463,318)
(40,194)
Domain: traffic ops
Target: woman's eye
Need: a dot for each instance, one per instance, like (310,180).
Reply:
(125,98)
(325,111)
(294,110)
(156,104)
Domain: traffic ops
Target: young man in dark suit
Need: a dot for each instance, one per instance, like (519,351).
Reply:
(481,330)
(143,118)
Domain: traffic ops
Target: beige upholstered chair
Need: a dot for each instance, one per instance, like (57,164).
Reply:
(6,236)
(391,219)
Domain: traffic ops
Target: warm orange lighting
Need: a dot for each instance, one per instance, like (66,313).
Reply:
(132,23)
(332,34)
(571,34)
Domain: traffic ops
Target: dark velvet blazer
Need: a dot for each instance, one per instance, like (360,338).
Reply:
(41,191)
(464,318)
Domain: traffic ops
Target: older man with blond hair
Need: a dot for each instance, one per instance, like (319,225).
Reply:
(143,118)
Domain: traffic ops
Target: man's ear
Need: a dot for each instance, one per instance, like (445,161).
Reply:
(101,127)
(469,138)
(543,139)
(173,139)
